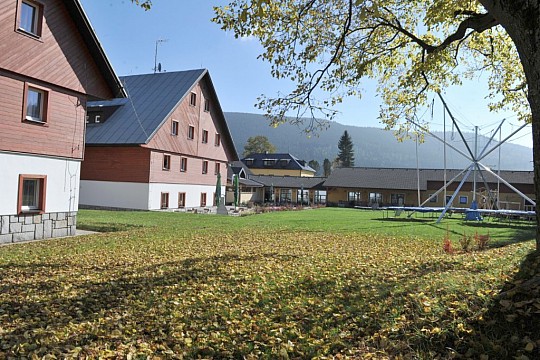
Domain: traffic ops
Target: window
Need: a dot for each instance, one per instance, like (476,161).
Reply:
(353,197)
(35,104)
(433,199)
(30,18)
(181,200)
(193,99)
(217,168)
(206,105)
(203,199)
(285,196)
(463,199)
(32,191)
(174,128)
(166,162)
(397,199)
(191,132)
(284,162)
(205,167)
(375,198)
(448,197)
(217,140)
(183,164)
(164,200)
(249,162)
(94,118)
(269,162)
(205,136)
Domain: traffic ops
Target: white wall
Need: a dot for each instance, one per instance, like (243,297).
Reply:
(62,181)
(193,194)
(142,196)
(125,195)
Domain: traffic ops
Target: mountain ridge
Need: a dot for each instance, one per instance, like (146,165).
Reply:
(373,147)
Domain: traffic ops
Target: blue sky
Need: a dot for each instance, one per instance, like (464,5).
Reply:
(128,35)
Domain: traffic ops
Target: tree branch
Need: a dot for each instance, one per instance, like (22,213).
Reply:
(476,22)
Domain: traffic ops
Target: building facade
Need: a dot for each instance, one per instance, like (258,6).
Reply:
(51,64)
(163,148)
(409,187)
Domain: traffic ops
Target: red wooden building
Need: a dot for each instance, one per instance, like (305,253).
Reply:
(51,64)
(162,148)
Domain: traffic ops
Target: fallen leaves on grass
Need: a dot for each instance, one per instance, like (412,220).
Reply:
(259,293)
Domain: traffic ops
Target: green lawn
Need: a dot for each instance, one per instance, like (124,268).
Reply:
(297,284)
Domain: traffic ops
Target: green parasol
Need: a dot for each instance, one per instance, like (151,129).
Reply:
(236,190)
(218,190)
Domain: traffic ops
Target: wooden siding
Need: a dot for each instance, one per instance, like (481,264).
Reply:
(194,150)
(193,175)
(62,135)
(128,164)
(58,57)
(195,116)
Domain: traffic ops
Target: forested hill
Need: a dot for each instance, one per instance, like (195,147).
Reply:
(373,147)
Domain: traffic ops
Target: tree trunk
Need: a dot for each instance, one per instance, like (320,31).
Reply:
(521,19)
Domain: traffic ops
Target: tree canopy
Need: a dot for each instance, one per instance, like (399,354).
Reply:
(327,167)
(345,145)
(314,164)
(411,47)
(258,144)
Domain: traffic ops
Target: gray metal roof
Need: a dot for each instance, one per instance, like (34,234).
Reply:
(407,179)
(295,182)
(289,162)
(152,98)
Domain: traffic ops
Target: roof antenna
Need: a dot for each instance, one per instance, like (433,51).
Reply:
(157,67)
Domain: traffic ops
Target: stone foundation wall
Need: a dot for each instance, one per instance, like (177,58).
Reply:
(15,228)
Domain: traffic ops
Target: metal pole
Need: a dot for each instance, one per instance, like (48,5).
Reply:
(444,152)
(417,172)
(455,194)
(475,161)
(441,140)
(441,189)
(491,139)
(455,124)
(508,184)
(499,173)
(502,142)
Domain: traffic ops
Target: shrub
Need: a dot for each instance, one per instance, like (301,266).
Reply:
(481,240)
(447,243)
(466,242)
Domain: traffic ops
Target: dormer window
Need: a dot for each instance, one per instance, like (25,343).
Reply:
(269,162)
(94,118)
(248,162)
(284,162)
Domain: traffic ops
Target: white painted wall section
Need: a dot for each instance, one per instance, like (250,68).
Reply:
(193,194)
(126,195)
(62,181)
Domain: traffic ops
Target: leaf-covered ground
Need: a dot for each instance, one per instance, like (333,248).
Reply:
(312,284)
